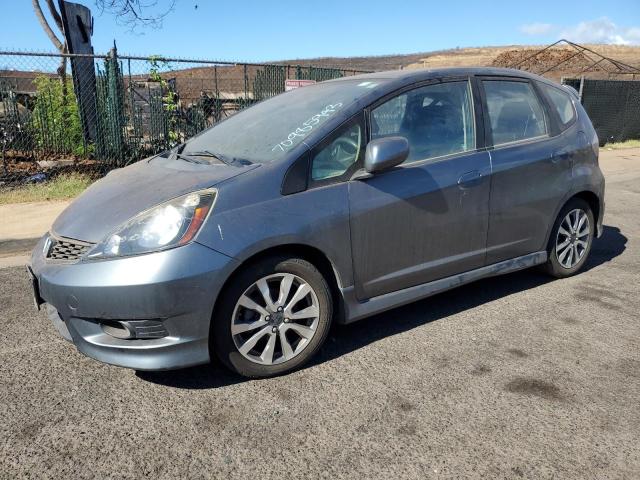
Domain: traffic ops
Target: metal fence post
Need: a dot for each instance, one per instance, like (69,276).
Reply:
(245,83)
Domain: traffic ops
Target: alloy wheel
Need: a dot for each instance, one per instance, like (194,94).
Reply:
(275,319)
(573,237)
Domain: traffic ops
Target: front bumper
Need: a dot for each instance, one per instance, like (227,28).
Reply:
(176,288)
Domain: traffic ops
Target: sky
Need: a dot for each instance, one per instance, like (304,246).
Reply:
(288,29)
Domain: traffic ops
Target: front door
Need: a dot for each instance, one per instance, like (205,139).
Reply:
(426,219)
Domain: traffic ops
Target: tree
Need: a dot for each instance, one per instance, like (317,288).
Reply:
(137,13)
(146,13)
(61,45)
(134,13)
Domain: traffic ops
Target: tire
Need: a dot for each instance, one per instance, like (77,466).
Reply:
(235,312)
(558,263)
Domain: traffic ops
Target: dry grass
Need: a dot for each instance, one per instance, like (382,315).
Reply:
(623,145)
(60,188)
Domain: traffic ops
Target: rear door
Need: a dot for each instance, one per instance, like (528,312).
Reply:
(426,219)
(531,168)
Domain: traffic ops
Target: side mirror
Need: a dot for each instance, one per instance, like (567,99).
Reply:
(385,153)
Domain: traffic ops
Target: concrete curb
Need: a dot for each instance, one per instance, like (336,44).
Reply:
(13,247)
(15,261)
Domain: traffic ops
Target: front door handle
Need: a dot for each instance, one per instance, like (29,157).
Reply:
(469,179)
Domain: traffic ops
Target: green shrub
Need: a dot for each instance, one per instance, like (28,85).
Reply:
(56,121)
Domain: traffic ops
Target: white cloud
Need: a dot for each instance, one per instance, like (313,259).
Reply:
(602,30)
(536,28)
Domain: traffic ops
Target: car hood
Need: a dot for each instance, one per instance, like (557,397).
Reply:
(125,192)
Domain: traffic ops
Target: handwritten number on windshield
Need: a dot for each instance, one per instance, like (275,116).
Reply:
(306,127)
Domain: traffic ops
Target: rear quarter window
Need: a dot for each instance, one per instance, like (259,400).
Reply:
(561,103)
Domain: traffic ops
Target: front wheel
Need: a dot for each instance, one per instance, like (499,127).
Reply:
(571,239)
(273,317)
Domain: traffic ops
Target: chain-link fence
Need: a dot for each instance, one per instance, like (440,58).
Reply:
(612,105)
(91,113)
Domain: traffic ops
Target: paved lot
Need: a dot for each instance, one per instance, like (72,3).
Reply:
(512,377)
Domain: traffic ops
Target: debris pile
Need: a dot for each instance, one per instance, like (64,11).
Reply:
(18,169)
(537,61)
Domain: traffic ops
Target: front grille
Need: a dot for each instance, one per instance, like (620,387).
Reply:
(67,250)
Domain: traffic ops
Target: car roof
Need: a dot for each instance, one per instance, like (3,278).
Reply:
(403,77)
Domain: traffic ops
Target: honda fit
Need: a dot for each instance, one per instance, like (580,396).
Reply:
(328,203)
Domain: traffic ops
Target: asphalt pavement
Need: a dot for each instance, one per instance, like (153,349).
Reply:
(513,377)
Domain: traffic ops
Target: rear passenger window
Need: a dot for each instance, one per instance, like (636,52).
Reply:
(436,120)
(515,113)
(561,102)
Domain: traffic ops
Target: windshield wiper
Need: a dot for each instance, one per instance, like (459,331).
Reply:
(207,153)
(187,158)
(179,152)
(218,156)
(176,153)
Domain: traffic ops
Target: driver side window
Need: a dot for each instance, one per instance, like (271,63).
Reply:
(436,120)
(339,154)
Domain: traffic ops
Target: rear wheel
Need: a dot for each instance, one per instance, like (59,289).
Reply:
(571,239)
(273,317)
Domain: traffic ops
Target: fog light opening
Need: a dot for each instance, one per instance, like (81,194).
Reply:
(117,329)
(134,329)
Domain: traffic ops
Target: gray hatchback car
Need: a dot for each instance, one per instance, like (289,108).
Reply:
(328,203)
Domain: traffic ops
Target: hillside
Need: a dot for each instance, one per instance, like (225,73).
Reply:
(192,82)
(482,56)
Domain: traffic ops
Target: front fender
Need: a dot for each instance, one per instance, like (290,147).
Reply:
(318,218)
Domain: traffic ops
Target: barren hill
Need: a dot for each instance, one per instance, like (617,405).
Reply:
(505,56)
(191,82)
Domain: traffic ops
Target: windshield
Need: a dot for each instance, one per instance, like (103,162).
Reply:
(268,130)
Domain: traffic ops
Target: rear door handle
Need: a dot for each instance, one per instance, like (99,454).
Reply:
(469,179)
(560,156)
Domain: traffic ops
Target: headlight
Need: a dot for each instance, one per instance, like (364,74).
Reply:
(167,225)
